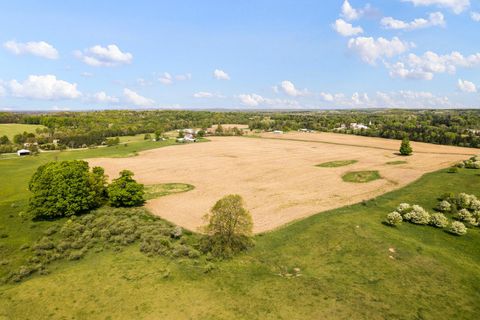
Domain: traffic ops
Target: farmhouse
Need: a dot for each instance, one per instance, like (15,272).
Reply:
(23,152)
(358,126)
(278,132)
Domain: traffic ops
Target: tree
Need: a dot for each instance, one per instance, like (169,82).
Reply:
(158,134)
(147,137)
(125,191)
(229,227)
(405,148)
(66,188)
(438,220)
(457,228)
(4,140)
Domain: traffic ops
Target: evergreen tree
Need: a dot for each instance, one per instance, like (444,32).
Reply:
(405,148)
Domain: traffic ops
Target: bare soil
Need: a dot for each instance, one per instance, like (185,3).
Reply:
(277,175)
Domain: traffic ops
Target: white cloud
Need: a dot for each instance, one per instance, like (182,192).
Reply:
(109,56)
(346,29)
(144,83)
(426,66)
(475,16)
(360,98)
(39,49)
(183,77)
(370,49)
(255,100)
(466,86)
(348,12)
(45,87)
(289,88)
(457,6)
(136,99)
(205,94)
(434,19)
(102,97)
(166,78)
(86,74)
(220,75)
(327,96)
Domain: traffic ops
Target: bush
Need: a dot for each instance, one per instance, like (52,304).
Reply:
(453,170)
(418,215)
(444,206)
(438,220)
(405,148)
(466,216)
(393,218)
(125,191)
(66,188)
(229,227)
(404,208)
(457,228)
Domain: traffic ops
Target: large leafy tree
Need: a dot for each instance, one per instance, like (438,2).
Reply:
(125,191)
(229,227)
(66,188)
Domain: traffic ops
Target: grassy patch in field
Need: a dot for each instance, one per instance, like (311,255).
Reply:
(394,163)
(160,190)
(361,176)
(11,129)
(335,164)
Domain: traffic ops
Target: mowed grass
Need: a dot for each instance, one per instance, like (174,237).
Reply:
(11,129)
(343,256)
(361,176)
(160,190)
(335,164)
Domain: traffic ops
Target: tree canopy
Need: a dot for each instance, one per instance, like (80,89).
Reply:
(125,191)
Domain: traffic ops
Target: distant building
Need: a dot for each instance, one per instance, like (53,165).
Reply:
(305,130)
(23,152)
(358,126)
(278,132)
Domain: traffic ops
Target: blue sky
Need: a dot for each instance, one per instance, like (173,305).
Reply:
(262,54)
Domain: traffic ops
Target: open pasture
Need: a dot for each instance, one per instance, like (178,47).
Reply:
(278,179)
(11,129)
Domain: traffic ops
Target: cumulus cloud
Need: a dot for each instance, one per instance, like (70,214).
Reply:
(370,49)
(220,75)
(346,29)
(426,66)
(350,13)
(466,86)
(457,6)
(255,100)
(136,99)
(475,16)
(2,90)
(205,94)
(45,87)
(434,19)
(102,97)
(86,74)
(166,78)
(327,96)
(183,77)
(289,88)
(39,49)
(109,56)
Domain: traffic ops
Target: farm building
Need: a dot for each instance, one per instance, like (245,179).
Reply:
(23,152)
(278,132)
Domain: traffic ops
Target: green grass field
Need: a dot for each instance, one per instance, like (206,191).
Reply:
(346,271)
(11,129)
(361,176)
(335,164)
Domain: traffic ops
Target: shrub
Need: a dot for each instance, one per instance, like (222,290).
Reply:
(405,148)
(457,228)
(444,206)
(125,191)
(393,218)
(404,208)
(453,170)
(65,188)
(464,201)
(229,227)
(438,220)
(465,216)
(418,215)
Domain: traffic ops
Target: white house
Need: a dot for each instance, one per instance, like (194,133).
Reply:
(278,132)
(358,126)
(23,152)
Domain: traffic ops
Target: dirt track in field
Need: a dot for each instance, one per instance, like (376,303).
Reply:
(277,177)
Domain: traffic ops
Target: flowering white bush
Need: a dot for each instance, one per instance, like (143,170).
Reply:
(465,216)
(418,215)
(464,201)
(444,206)
(393,218)
(475,205)
(458,228)
(438,220)
(403,208)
